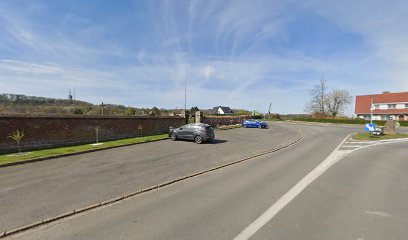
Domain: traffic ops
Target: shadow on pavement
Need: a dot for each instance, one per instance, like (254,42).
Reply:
(217,141)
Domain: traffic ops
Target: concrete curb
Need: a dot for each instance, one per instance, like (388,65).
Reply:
(73,154)
(145,190)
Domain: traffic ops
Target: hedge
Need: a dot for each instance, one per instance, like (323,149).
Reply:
(345,121)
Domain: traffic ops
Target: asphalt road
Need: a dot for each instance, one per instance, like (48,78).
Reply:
(363,196)
(35,191)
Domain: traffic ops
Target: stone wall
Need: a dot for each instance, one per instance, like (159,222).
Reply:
(49,131)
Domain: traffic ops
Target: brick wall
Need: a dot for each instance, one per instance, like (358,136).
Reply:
(215,121)
(46,131)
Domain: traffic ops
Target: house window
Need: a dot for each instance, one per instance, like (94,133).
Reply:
(392,106)
(406,105)
(376,106)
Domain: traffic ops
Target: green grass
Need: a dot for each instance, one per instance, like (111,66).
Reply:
(366,136)
(344,121)
(8,158)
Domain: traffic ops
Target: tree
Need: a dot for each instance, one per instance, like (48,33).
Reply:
(17,136)
(130,111)
(317,103)
(324,103)
(337,101)
(243,112)
(78,111)
(193,110)
(155,111)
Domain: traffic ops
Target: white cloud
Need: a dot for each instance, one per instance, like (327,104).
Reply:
(208,71)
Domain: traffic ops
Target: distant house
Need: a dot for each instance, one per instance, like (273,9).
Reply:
(15,97)
(220,110)
(384,106)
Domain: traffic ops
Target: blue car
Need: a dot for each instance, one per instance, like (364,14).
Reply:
(252,123)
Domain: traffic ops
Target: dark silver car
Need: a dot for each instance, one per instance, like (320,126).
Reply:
(199,132)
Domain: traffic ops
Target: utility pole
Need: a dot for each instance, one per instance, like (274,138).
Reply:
(269,110)
(102,106)
(186,116)
(371,111)
(70,97)
(185,93)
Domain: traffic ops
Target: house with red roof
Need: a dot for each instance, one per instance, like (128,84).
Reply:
(384,106)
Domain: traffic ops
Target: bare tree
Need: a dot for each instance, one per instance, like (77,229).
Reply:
(317,103)
(17,136)
(337,101)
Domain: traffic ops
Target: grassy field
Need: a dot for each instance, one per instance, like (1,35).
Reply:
(8,158)
(367,136)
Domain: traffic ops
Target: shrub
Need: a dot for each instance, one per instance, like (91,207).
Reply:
(17,136)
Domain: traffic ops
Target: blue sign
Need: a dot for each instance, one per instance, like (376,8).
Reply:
(370,127)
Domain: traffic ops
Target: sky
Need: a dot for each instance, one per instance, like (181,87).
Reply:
(236,53)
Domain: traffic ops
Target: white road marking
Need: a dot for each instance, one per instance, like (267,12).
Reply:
(352,146)
(293,192)
(334,157)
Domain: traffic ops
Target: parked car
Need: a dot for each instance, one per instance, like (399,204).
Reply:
(199,132)
(252,123)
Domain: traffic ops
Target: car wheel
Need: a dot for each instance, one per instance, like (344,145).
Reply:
(246,126)
(173,137)
(260,126)
(198,139)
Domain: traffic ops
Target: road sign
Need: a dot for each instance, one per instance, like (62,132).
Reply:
(370,127)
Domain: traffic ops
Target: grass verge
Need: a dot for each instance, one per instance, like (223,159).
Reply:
(53,152)
(229,127)
(366,136)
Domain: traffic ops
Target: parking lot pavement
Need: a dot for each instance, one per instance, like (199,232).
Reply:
(34,191)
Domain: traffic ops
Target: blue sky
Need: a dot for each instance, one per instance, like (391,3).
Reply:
(242,54)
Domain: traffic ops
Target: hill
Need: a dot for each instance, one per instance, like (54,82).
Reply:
(18,104)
